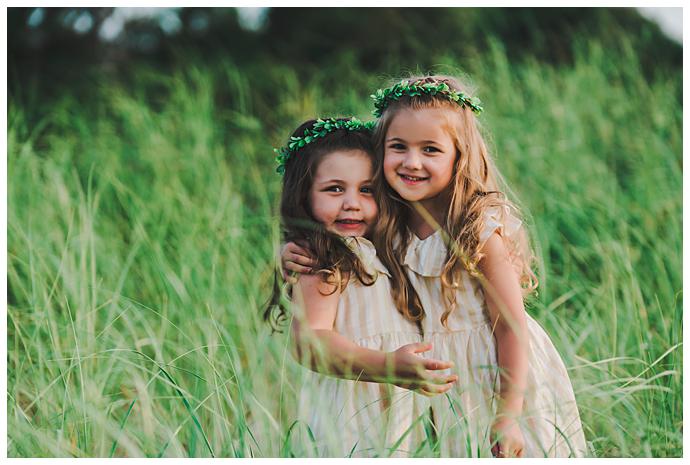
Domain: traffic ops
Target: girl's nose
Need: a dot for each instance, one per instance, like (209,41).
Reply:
(412,161)
(351,202)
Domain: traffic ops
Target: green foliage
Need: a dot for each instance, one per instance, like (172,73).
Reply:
(142,228)
(383,97)
(320,128)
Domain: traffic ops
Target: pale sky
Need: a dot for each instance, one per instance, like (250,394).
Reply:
(670,20)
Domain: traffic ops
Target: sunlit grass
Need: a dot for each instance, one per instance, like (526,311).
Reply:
(142,228)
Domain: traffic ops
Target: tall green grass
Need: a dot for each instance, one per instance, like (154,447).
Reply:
(142,227)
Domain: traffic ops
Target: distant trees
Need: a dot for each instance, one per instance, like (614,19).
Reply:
(62,44)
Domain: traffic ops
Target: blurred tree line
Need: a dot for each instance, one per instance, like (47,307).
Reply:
(57,50)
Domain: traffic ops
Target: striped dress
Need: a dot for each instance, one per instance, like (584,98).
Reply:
(356,418)
(550,422)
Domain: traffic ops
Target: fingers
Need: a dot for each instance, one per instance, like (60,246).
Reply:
(432,364)
(441,379)
(495,450)
(296,268)
(499,451)
(297,259)
(436,384)
(415,347)
(292,263)
(431,390)
(300,247)
(436,388)
(304,260)
(298,254)
(292,247)
(419,347)
(503,450)
(431,387)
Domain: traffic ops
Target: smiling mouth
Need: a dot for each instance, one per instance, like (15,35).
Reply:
(408,178)
(350,222)
(347,225)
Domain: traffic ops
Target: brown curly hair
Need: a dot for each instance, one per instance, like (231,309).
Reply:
(336,261)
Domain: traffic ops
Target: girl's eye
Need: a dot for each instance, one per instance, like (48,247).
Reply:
(334,189)
(431,149)
(366,190)
(397,146)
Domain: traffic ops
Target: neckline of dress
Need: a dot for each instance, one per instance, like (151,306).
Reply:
(419,240)
(358,240)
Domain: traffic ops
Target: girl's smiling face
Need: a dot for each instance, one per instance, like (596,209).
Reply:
(419,154)
(341,196)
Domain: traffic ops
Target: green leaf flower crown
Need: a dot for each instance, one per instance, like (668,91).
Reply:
(321,128)
(383,97)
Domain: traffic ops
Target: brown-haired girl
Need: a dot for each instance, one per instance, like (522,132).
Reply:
(452,230)
(345,322)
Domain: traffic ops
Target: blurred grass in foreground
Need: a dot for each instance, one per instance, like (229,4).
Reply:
(141,229)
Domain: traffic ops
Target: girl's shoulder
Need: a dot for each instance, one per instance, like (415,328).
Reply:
(501,219)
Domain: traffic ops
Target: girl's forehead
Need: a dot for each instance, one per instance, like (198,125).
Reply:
(411,122)
(343,161)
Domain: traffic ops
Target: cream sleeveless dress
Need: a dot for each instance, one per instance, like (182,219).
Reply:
(356,418)
(550,422)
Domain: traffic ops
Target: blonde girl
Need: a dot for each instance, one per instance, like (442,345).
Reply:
(454,244)
(345,325)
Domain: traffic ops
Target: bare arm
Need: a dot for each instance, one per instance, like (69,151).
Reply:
(508,319)
(322,349)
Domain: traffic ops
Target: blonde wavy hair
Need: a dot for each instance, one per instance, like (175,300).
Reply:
(477,186)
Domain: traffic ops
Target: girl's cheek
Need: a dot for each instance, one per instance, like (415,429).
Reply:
(389,169)
(374,208)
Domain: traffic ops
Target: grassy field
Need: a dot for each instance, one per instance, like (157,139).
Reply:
(142,227)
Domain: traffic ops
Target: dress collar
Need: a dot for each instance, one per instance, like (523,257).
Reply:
(366,252)
(426,257)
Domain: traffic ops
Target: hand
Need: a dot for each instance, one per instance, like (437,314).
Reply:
(295,259)
(506,438)
(416,373)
